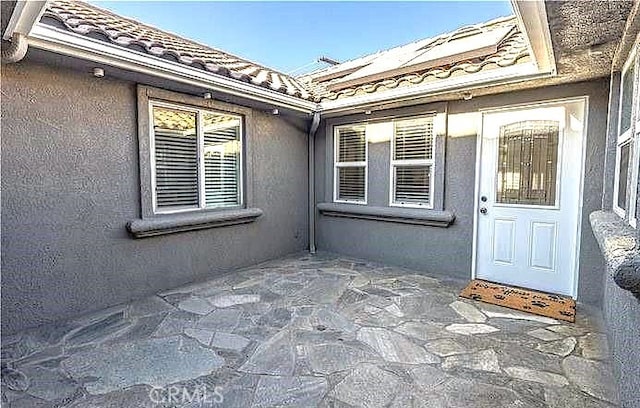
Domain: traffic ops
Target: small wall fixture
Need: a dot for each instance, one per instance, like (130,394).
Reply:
(275,111)
(467,96)
(207,95)
(367,112)
(595,52)
(98,72)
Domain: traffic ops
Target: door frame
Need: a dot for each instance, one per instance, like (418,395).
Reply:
(476,195)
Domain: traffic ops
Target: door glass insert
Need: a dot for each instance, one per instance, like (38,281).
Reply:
(528,163)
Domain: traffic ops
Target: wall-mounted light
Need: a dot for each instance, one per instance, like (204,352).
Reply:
(275,111)
(367,112)
(595,52)
(467,96)
(207,95)
(98,72)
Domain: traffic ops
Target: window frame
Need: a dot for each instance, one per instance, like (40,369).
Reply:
(337,165)
(394,164)
(631,137)
(202,202)
(145,94)
(634,161)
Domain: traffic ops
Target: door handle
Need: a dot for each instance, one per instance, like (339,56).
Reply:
(483,211)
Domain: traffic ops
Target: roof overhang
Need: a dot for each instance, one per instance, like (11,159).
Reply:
(631,30)
(531,15)
(502,76)
(24,17)
(533,21)
(407,69)
(71,44)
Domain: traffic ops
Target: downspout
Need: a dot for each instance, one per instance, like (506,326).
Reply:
(16,49)
(315,122)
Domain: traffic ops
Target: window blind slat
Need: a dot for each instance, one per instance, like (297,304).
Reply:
(177,159)
(221,161)
(413,140)
(176,165)
(351,144)
(351,183)
(351,148)
(413,184)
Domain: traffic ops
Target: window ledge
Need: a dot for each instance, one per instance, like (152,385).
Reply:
(172,223)
(433,218)
(619,245)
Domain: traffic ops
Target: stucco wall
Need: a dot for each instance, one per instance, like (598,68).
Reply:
(621,310)
(70,183)
(448,251)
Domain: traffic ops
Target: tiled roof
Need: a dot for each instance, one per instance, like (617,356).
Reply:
(466,51)
(88,20)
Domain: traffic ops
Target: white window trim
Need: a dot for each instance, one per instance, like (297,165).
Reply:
(620,211)
(623,138)
(420,162)
(635,162)
(200,139)
(337,165)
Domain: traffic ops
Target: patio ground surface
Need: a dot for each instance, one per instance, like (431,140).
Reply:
(310,331)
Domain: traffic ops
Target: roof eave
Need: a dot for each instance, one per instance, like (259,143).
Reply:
(74,45)
(411,68)
(408,95)
(629,37)
(24,17)
(533,22)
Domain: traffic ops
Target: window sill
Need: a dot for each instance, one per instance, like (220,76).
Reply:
(172,223)
(432,218)
(619,245)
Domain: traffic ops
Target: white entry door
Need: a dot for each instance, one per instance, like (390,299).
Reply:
(529,197)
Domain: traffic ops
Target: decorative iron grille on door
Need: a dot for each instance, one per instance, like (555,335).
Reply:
(528,163)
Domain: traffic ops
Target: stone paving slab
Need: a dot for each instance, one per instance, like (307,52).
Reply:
(307,331)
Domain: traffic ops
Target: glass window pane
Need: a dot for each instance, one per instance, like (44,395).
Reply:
(412,184)
(527,163)
(626,98)
(413,139)
(351,144)
(222,149)
(176,158)
(351,183)
(624,158)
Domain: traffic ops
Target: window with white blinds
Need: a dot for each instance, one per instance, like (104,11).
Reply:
(196,159)
(412,163)
(625,195)
(350,164)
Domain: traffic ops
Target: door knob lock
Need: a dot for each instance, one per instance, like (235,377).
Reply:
(483,211)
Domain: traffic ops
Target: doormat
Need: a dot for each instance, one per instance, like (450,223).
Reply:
(530,301)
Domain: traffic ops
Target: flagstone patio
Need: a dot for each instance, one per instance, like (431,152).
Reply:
(310,331)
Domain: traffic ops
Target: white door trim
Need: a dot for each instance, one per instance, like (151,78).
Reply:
(476,196)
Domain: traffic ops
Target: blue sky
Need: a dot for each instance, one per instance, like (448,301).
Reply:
(289,35)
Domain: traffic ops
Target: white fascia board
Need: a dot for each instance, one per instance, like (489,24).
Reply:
(534,23)
(502,76)
(75,45)
(24,17)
